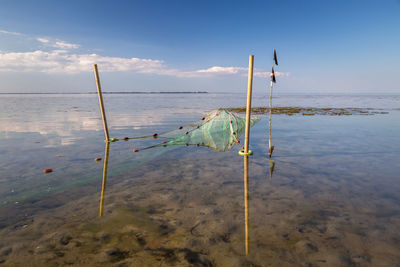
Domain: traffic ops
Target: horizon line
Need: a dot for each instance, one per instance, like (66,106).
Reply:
(86,93)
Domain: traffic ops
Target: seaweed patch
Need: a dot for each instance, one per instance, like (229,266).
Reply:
(310,111)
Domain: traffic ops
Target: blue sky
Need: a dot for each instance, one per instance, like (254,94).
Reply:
(323,46)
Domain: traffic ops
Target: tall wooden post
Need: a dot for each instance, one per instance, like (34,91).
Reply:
(103,112)
(248,107)
(246,151)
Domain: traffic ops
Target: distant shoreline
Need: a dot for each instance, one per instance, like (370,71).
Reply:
(116,93)
(278,94)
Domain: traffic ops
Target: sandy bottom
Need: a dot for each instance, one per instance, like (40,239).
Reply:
(177,211)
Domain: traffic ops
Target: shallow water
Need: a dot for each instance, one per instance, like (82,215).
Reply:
(332,199)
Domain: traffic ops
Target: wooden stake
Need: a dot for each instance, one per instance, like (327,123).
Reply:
(246,203)
(270,146)
(103,186)
(248,107)
(103,113)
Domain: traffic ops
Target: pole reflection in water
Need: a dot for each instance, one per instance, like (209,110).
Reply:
(271,167)
(103,187)
(246,203)
(270,146)
(246,190)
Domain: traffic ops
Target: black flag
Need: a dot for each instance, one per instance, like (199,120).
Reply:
(273,75)
(275,58)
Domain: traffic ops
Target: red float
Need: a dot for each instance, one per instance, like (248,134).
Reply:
(47,170)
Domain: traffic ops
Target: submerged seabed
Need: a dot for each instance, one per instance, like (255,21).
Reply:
(332,199)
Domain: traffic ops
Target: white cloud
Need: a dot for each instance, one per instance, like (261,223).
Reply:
(210,72)
(56,43)
(214,71)
(218,70)
(49,42)
(222,70)
(62,61)
(11,33)
(65,45)
(43,40)
(57,56)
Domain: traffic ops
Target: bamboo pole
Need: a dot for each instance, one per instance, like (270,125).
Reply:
(103,112)
(246,150)
(104,183)
(270,146)
(248,107)
(246,203)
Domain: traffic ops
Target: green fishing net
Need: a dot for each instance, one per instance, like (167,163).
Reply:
(219,130)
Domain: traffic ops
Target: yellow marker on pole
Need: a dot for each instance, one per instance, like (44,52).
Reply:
(103,113)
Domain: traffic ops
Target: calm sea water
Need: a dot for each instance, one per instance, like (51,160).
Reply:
(332,199)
